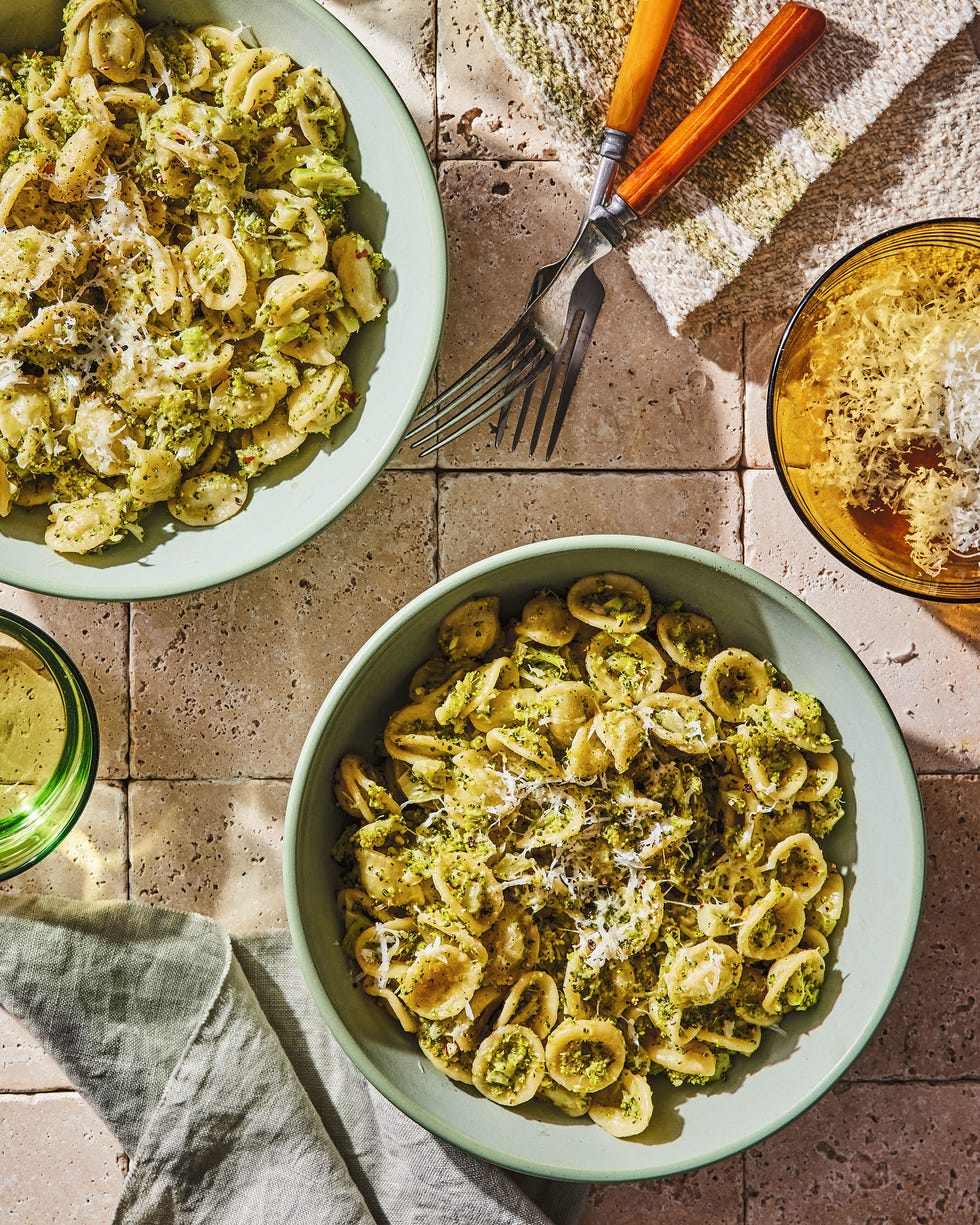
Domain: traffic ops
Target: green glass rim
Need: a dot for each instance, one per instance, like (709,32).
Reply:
(928,589)
(79,756)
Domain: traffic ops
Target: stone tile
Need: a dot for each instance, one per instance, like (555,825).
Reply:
(211,847)
(923,655)
(90,864)
(485,110)
(96,639)
(407,456)
(761,342)
(872,1153)
(226,682)
(713,1193)
(930,1031)
(60,1162)
(400,34)
(644,398)
(703,509)
(25,1067)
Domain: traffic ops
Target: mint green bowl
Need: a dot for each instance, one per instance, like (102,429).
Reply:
(391,361)
(879,848)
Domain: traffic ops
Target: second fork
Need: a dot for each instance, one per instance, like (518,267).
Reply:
(525,350)
(645,47)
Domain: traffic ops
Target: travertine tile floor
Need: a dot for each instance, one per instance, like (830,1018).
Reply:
(667,438)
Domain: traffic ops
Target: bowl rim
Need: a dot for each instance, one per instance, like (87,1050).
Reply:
(936,593)
(738,571)
(155,584)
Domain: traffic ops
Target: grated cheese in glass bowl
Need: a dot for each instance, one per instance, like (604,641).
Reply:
(874,410)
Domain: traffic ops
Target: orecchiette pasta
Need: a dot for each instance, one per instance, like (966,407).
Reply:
(176,271)
(509,1065)
(592,852)
(625,1107)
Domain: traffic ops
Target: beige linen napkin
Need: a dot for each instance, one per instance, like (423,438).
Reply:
(695,241)
(207,1058)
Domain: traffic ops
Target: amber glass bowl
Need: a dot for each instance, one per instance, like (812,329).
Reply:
(870,541)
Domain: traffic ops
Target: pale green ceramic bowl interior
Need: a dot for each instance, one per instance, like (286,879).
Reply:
(391,361)
(879,848)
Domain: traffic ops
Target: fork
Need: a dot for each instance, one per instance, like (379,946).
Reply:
(525,350)
(652,23)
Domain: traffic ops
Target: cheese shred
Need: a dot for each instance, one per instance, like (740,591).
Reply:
(895,358)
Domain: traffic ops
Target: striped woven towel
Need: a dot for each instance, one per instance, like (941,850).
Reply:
(697,238)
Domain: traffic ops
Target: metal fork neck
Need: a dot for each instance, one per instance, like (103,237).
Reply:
(613,219)
(614,145)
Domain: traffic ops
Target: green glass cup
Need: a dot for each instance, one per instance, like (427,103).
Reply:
(49,744)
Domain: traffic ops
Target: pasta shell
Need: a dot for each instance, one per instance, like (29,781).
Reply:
(585,1056)
(798,863)
(624,1108)
(732,682)
(509,1065)
(440,981)
(772,926)
(688,639)
(616,603)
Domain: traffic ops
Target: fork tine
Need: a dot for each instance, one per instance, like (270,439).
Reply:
(470,381)
(528,396)
(584,305)
(539,283)
(511,382)
(568,385)
(501,429)
(546,395)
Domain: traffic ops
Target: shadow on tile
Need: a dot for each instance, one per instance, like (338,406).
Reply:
(899,170)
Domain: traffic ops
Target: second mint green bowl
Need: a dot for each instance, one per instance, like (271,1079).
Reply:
(391,361)
(879,848)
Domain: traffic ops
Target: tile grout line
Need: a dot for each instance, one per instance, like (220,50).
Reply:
(743,383)
(741,468)
(436,132)
(583,472)
(437,172)
(285,778)
(127,811)
(437,475)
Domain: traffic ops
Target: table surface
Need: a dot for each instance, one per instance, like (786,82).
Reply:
(666,438)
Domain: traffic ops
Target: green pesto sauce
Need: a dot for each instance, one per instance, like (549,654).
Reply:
(509,1062)
(589,1060)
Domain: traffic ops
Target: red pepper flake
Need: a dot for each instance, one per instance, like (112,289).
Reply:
(364,253)
(350,398)
(48,168)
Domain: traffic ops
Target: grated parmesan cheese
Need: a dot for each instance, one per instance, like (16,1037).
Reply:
(895,360)
(564,901)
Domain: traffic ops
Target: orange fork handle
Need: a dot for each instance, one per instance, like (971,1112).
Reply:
(793,33)
(652,24)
